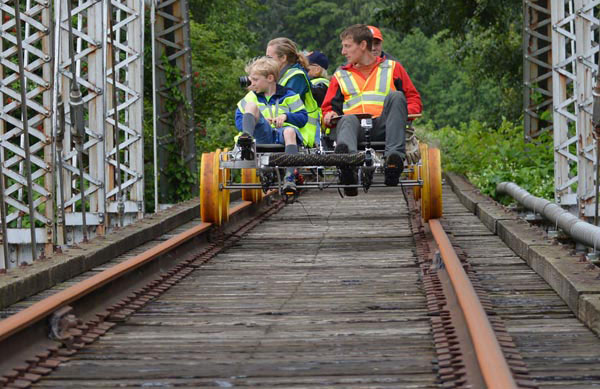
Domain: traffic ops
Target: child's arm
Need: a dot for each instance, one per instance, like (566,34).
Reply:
(297,118)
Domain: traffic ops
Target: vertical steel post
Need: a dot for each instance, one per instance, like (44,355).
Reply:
(537,66)
(154,106)
(117,140)
(60,134)
(564,119)
(25,123)
(584,12)
(77,123)
(185,63)
(3,214)
(574,60)
(596,124)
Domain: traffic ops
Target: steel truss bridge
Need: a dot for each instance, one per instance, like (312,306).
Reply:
(72,106)
(72,109)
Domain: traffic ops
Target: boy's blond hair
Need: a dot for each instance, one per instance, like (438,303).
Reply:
(263,66)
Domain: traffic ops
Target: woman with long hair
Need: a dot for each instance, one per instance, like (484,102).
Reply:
(293,75)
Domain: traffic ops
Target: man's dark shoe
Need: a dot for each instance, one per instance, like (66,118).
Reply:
(341,148)
(393,168)
(348,175)
(246,143)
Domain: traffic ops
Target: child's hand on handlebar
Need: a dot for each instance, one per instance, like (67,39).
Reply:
(278,121)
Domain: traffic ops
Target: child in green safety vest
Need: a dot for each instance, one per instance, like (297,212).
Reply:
(319,79)
(270,113)
(293,74)
(317,71)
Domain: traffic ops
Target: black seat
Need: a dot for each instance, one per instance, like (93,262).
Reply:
(270,148)
(375,145)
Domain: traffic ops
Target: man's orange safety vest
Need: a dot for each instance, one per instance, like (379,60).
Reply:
(366,96)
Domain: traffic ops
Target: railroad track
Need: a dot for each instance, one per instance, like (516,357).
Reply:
(327,292)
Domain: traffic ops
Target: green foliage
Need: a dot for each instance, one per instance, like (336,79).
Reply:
(148,156)
(220,41)
(180,179)
(449,95)
(482,37)
(489,156)
(314,24)
(456,16)
(219,53)
(216,88)
(220,135)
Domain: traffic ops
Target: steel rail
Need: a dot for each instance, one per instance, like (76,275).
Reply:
(47,306)
(492,363)
(41,309)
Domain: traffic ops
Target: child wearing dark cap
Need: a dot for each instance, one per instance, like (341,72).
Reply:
(317,71)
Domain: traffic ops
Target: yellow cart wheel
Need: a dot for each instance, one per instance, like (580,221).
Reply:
(249,177)
(425,189)
(419,170)
(258,193)
(415,176)
(435,184)
(224,177)
(210,196)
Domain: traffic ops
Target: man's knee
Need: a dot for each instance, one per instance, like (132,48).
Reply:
(395,97)
(347,123)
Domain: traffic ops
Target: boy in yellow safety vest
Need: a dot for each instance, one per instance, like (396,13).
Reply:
(270,113)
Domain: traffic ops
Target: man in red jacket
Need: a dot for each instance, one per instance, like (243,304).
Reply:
(373,85)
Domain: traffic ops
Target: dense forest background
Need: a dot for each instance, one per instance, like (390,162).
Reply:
(464,57)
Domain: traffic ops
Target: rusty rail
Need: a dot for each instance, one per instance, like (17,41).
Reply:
(42,309)
(48,305)
(493,365)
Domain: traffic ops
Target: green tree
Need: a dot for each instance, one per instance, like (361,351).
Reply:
(485,37)
(313,24)
(219,52)
(450,95)
(456,16)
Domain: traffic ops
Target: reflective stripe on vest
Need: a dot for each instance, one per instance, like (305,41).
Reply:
(269,111)
(366,96)
(320,80)
(311,132)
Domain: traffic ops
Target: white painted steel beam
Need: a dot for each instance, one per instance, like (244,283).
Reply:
(48,75)
(574,59)
(36,41)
